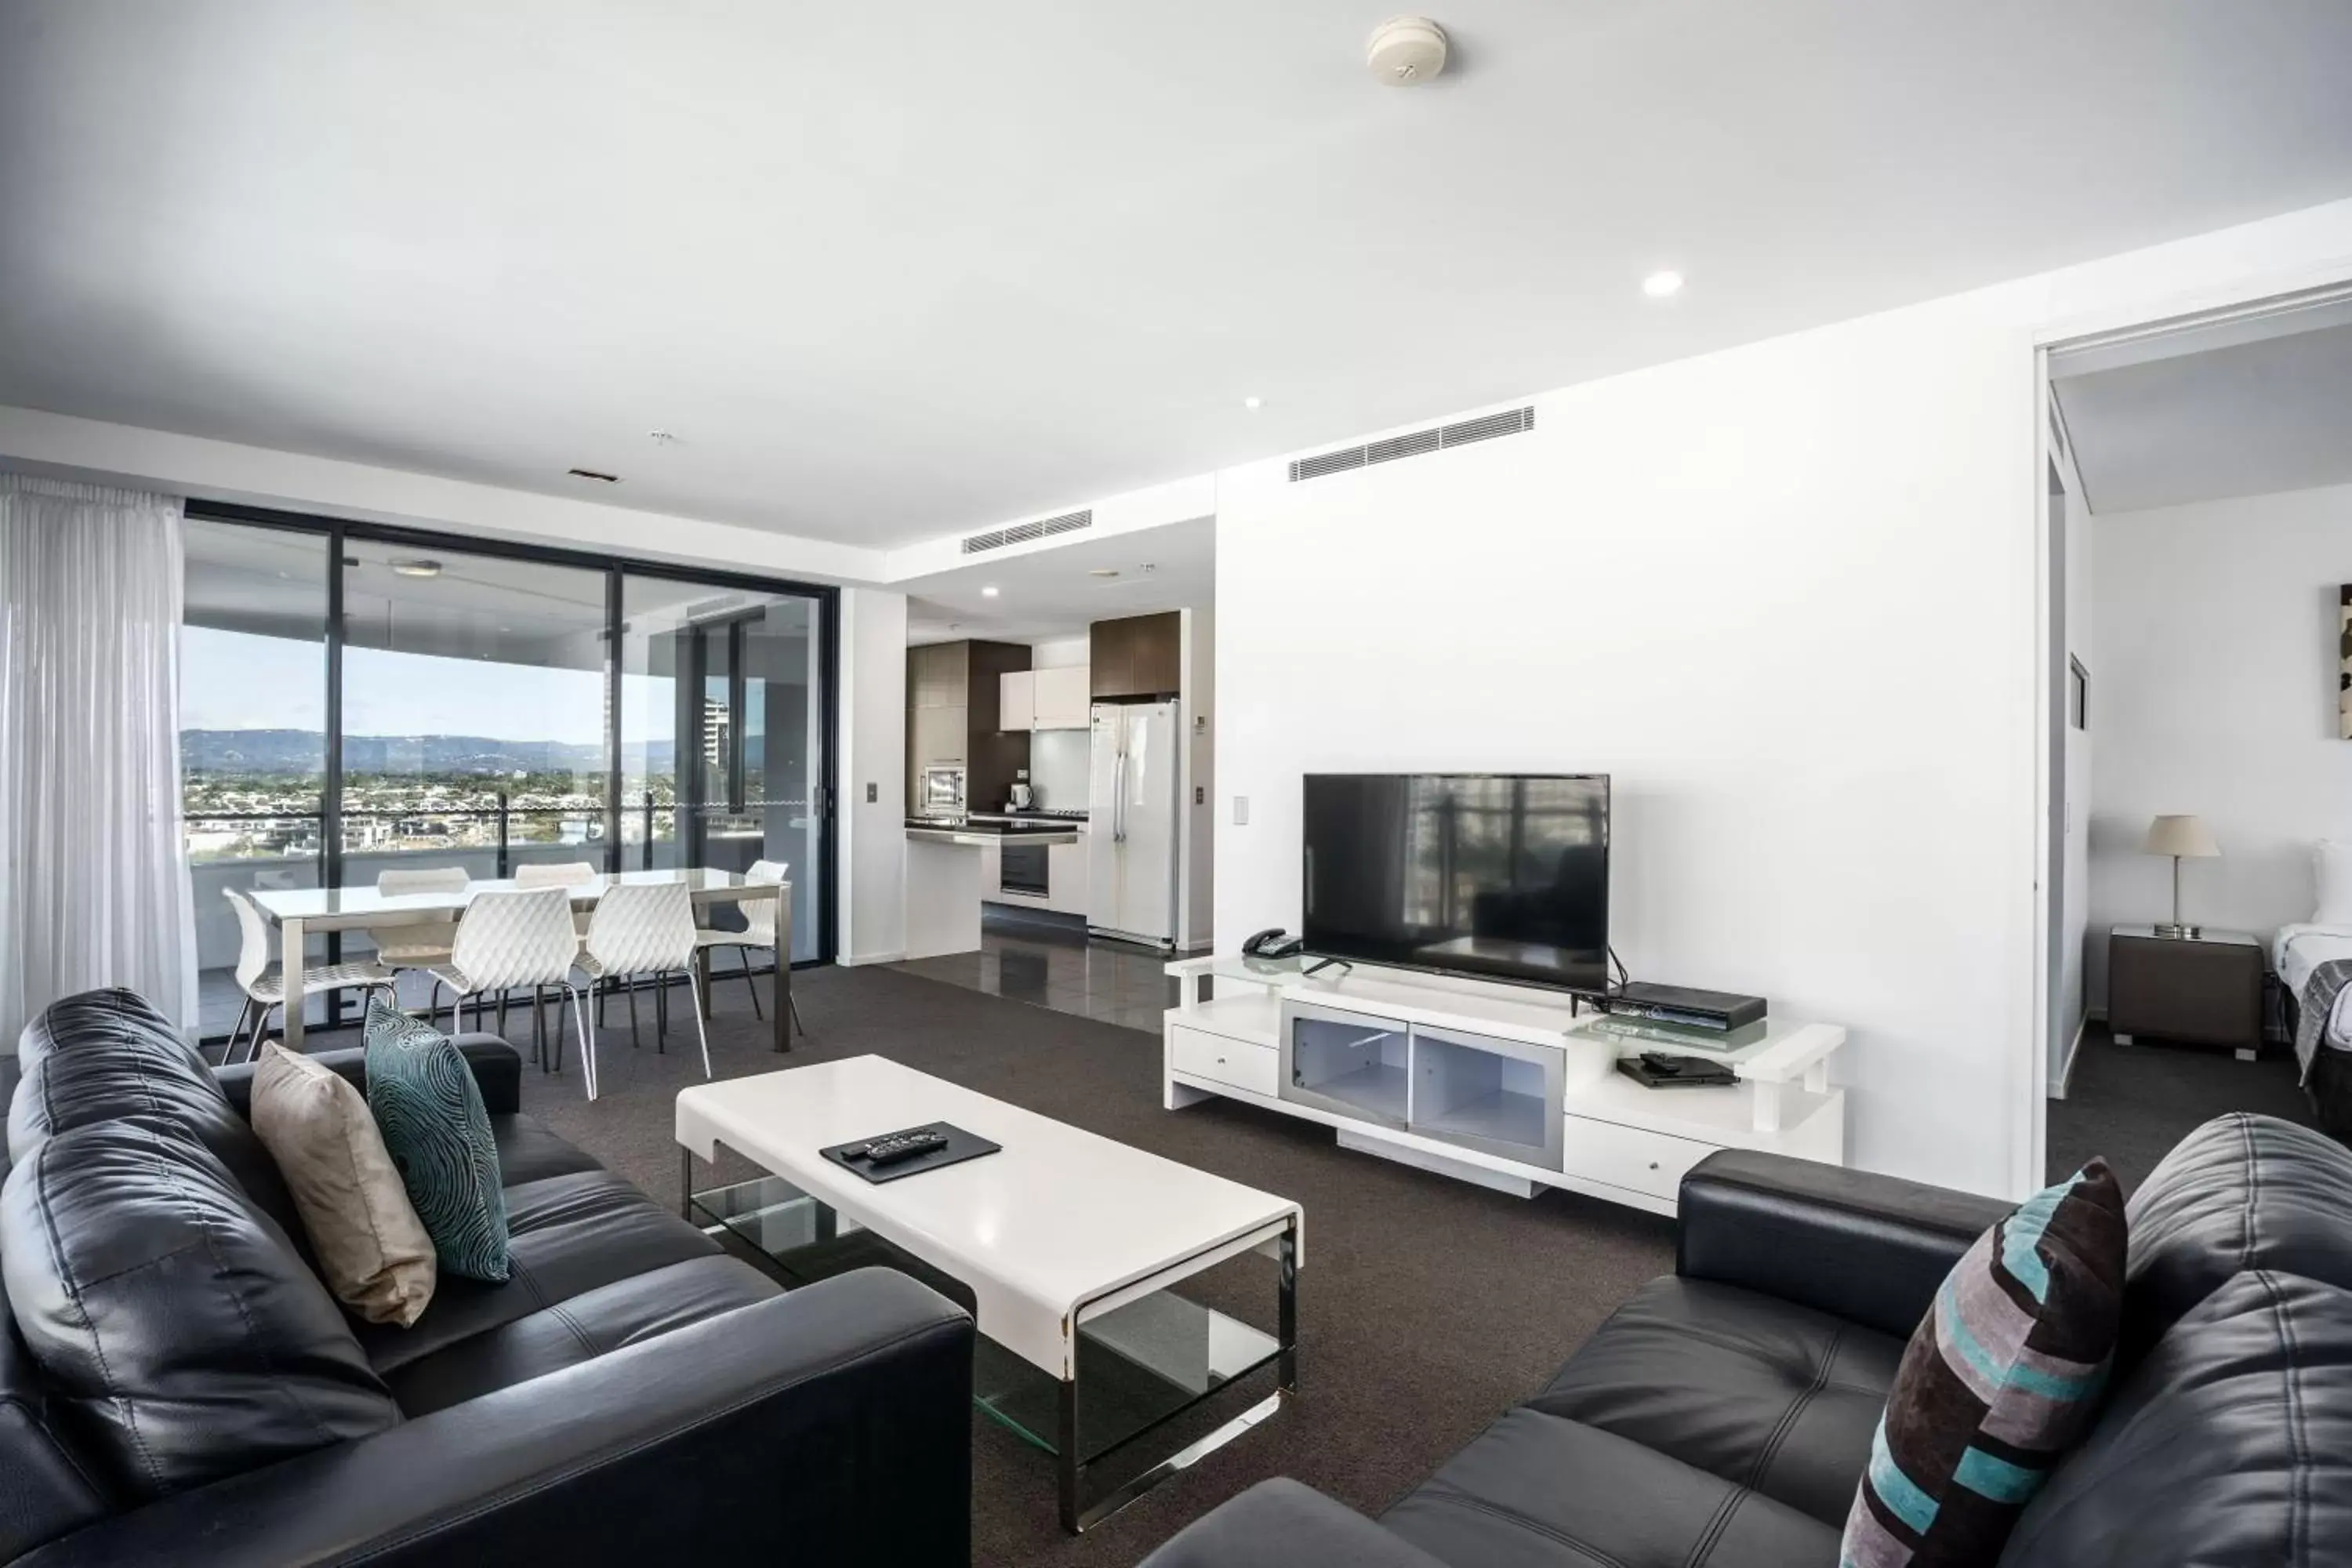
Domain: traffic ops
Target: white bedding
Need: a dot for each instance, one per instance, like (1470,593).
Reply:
(2297,950)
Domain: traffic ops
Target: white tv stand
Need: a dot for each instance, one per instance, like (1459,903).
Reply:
(1461,1078)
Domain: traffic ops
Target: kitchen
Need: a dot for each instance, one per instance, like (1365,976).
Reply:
(1049,781)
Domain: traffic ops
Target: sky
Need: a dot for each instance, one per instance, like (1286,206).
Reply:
(236,680)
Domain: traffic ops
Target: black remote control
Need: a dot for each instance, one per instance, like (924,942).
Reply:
(904,1146)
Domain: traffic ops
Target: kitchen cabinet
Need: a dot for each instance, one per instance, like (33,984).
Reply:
(1065,876)
(1061,698)
(939,737)
(937,674)
(1017,703)
(1137,656)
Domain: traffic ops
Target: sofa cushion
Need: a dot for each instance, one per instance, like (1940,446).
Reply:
(109,1013)
(371,1249)
(1745,1386)
(589,1324)
(1539,1491)
(2242,1192)
(1998,1381)
(107,1055)
(527,1152)
(439,1130)
(186,1338)
(2230,1442)
(44,1489)
(567,1236)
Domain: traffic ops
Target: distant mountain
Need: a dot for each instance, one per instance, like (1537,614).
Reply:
(300,752)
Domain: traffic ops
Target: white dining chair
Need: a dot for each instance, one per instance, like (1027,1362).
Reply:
(512,937)
(264,982)
(644,930)
(558,874)
(759,931)
(423,946)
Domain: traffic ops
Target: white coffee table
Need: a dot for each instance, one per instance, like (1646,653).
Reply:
(1068,1244)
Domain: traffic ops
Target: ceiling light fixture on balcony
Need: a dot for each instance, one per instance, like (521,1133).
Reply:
(989,591)
(419,567)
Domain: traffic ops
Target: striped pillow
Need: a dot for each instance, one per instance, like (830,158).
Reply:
(438,1131)
(2001,1377)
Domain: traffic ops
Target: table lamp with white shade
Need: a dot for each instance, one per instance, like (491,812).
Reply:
(2182,837)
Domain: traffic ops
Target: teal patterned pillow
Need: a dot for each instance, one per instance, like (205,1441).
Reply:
(424,1103)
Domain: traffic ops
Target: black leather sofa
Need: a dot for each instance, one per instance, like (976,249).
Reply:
(1724,1416)
(632,1394)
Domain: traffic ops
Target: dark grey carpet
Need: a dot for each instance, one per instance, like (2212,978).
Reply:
(1426,1307)
(2132,1103)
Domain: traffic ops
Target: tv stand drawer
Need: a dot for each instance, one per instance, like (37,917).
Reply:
(1236,1062)
(1648,1162)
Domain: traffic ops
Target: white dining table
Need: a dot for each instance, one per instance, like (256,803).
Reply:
(299,912)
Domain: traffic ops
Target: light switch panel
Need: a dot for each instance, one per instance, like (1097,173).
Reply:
(873,793)
(1241,811)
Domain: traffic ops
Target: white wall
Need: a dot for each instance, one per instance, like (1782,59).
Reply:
(872,854)
(1789,596)
(2214,692)
(1197,835)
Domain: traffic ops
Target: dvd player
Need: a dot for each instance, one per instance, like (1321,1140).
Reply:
(1718,1012)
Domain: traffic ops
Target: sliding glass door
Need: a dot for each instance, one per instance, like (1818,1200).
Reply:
(474,708)
(253,728)
(356,699)
(722,737)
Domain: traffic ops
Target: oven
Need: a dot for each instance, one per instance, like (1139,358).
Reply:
(1025,868)
(943,793)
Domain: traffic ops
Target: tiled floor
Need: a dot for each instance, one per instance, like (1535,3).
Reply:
(1060,967)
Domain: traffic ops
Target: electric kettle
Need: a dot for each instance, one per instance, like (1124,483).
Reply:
(1020,797)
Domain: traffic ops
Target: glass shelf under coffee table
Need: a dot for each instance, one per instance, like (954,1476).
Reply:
(1082,1375)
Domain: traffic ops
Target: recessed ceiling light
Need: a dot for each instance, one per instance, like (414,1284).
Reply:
(1662,285)
(420,567)
(989,591)
(1104,571)
(1253,404)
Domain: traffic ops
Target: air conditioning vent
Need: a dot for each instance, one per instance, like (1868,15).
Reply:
(1389,450)
(1023,533)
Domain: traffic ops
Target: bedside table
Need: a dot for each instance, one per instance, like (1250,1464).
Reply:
(2205,990)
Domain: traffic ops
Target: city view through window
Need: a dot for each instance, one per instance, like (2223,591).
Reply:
(476,728)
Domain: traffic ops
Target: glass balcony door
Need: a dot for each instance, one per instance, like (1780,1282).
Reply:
(723,736)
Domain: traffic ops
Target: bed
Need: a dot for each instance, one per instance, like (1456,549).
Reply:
(2315,970)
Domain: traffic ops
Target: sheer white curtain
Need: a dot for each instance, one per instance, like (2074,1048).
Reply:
(93,884)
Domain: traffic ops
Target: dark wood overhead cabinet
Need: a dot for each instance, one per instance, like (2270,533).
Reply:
(1137,656)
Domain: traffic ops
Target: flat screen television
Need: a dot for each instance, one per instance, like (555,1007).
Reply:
(1501,876)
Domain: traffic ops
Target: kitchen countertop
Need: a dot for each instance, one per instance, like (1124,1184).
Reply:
(979,833)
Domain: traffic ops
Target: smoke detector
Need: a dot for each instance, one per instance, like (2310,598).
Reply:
(1406,51)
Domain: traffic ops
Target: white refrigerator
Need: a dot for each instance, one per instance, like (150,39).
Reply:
(1131,815)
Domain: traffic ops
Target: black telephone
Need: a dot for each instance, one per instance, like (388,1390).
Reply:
(1274,943)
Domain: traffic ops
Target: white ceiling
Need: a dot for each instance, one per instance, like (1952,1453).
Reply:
(1050,592)
(890,270)
(2247,419)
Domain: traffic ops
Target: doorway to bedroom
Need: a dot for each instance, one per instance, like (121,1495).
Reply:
(2200,729)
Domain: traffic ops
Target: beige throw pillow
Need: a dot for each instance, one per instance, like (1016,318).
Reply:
(372,1247)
